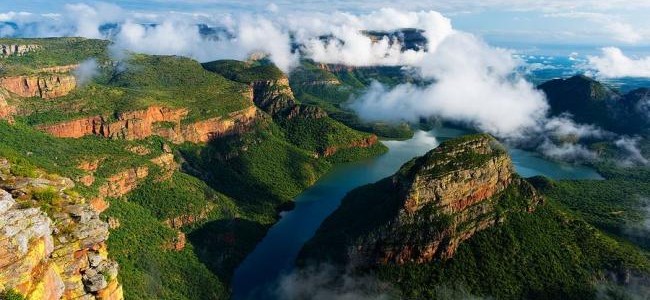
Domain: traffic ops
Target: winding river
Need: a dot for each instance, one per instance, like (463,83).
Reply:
(274,256)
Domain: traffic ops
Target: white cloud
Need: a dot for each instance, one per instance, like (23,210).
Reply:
(613,63)
(86,71)
(87,18)
(474,84)
(632,153)
(326,282)
(566,151)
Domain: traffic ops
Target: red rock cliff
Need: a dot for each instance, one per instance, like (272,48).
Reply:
(44,86)
(156,120)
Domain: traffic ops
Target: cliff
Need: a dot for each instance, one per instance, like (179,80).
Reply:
(52,244)
(18,50)
(273,96)
(6,110)
(428,208)
(156,120)
(46,86)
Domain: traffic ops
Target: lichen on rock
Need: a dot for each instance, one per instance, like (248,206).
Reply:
(52,244)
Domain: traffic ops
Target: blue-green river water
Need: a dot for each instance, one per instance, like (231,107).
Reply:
(274,256)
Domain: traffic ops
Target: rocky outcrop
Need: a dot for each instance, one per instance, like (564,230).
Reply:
(167,165)
(273,96)
(366,142)
(6,110)
(141,124)
(52,244)
(427,209)
(123,182)
(44,86)
(305,111)
(189,219)
(17,50)
(177,243)
(445,197)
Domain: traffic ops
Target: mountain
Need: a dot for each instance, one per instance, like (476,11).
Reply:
(459,217)
(591,102)
(187,164)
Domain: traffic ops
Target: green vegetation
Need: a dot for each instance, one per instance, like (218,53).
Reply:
(147,270)
(257,165)
(331,90)
(245,72)
(52,52)
(544,255)
(181,195)
(11,295)
(141,82)
(314,134)
(548,254)
(30,147)
(556,252)
(319,135)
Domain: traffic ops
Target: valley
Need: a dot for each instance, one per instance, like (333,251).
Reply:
(160,177)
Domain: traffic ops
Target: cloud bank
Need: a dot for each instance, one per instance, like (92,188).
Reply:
(471,82)
(325,282)
(612,63)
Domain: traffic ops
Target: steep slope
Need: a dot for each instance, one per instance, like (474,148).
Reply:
(306,126)
(591,102)
(430,206)
(332,86)
(460,218)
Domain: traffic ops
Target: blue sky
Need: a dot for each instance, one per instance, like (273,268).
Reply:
(530,25)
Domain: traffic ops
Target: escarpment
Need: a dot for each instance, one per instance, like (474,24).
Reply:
(52,244)
(46,86)
(156,120)
(428,208)
(7,50)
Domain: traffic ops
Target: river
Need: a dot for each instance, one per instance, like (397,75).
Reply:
(274,256)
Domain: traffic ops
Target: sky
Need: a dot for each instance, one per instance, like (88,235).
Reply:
(531,26)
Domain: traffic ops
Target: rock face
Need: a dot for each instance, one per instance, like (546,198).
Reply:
(123,182)
(43,86)
(156,120)
(6,110)
(18,50)
(429,207)
(363,143)
(59,253)
(273,96)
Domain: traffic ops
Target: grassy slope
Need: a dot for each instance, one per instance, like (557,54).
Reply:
(144,81)
(333,98)
(146,271)
(545,255)
(313,135)
(53,52)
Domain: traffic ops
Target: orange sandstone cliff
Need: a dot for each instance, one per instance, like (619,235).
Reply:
(53,251)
